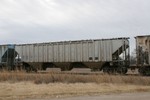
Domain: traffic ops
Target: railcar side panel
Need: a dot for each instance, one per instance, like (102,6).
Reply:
(83,52)
(80,51)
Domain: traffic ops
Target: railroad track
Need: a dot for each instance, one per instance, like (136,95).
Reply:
(84,73)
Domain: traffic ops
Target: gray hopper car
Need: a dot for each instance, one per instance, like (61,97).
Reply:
(7,56)
(143,54)
(109,55)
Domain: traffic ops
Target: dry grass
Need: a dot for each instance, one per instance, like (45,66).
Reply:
(26,90)
(38,78)
(19,85)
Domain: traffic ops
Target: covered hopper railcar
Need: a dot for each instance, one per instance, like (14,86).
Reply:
(109,55)
(143,54)
(7,56)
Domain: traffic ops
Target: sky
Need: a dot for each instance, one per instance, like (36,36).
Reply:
(30,21)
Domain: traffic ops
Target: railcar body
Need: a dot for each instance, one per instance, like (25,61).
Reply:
(7,56)
(98,54)
(143,53)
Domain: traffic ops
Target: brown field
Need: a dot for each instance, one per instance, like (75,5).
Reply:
(20,85)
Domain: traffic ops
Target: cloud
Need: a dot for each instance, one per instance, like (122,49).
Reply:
(25,21)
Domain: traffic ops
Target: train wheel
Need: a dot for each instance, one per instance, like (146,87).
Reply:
(1,67)
(109,70)
(122,70)
(105,70)
(28,69)
(142,71)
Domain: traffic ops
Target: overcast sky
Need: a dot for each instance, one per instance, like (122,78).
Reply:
(27,21)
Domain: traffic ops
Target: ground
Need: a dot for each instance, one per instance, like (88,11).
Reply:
(29,90)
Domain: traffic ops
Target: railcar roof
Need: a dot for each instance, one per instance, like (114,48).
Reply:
(71,41)
(143,36)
